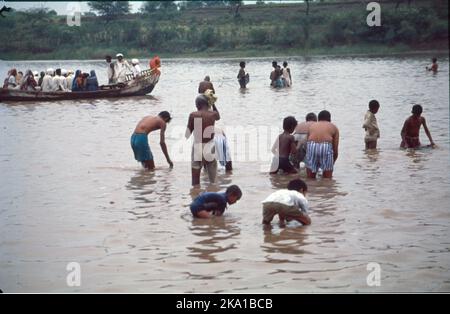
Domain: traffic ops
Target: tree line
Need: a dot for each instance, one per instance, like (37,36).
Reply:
(173,28)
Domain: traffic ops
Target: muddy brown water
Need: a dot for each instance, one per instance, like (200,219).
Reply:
(71,191)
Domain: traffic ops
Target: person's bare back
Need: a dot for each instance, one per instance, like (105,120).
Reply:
(208,119)
(286,144)
(303,128)
(149,124)
(322,131)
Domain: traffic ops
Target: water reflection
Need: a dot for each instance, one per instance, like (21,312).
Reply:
(286,241)
(216,235)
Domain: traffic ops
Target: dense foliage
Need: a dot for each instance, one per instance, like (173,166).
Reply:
(192,27)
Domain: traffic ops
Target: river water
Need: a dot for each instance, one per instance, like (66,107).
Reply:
(71,190)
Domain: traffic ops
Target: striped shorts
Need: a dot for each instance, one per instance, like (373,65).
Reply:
(319,155)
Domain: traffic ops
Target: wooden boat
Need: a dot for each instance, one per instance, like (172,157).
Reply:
(143,84)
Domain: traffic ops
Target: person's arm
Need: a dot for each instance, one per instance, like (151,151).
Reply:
(212,88)
(293,146)
(290,77)
(190,127)
(427,132)
(304,218)
(162,142)
(276,146)
(216,111)
(403,134)
(335,145)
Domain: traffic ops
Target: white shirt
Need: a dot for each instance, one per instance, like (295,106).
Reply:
(288,198)
(47,84)
(58,83)
(120,70)
(136,69)
(12,82)
(69,81)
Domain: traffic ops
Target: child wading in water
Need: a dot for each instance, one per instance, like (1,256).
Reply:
(283,147)
(210,204)
(288,204)
(371,125)
(411,128)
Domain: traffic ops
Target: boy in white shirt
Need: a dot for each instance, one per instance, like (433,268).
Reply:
(288,204)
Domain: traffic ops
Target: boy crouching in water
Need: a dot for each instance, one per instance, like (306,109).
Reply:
(210,204)
(288,204)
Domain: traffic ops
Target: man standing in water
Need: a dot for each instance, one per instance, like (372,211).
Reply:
(322,146)
(139,139)
(205,85)
(201,123)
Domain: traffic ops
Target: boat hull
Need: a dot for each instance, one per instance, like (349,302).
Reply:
(137,87)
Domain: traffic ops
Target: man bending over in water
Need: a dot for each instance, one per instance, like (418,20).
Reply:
(411,128)
(139,139)
(322,146)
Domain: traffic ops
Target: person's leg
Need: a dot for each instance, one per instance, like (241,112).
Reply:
(310,174)
(149,164)
(202,214)
(195,176)
(371,144)
(229,166)
(328,174)
(212,170)
(268,213)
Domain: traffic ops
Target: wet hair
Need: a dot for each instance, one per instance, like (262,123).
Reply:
(374,104)
(285,64)
(289,124)
(234,190)
(207,78)
(417,109)
(20,72)
(108,57)
(165,115)
(242,64)
(201,101)
(58,71)
(325,115)
(311,117)
(297,185)
(434,60)
(42,74)
(274,64)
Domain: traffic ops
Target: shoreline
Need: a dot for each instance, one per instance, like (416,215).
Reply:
(248,54)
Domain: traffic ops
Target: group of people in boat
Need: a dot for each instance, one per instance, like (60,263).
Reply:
(51,80)
(64,80)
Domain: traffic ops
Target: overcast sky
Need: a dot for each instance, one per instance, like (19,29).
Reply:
(61,7)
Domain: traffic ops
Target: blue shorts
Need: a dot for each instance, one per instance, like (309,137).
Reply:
(319,155)
(139,144)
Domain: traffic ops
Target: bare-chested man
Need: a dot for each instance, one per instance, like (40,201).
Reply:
(139,139)
(301,137)
(205,85)
(411,128)
(201,123)
(322,146)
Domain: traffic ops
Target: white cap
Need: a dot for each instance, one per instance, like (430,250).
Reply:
(63,71)
(50,71)
(119,55)
(35,73)
(134,61)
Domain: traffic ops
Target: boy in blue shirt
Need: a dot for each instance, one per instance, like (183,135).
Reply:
(210,203)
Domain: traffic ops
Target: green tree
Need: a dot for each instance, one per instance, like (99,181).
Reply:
(110,9)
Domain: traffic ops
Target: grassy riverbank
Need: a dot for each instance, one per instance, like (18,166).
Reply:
(329,28)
